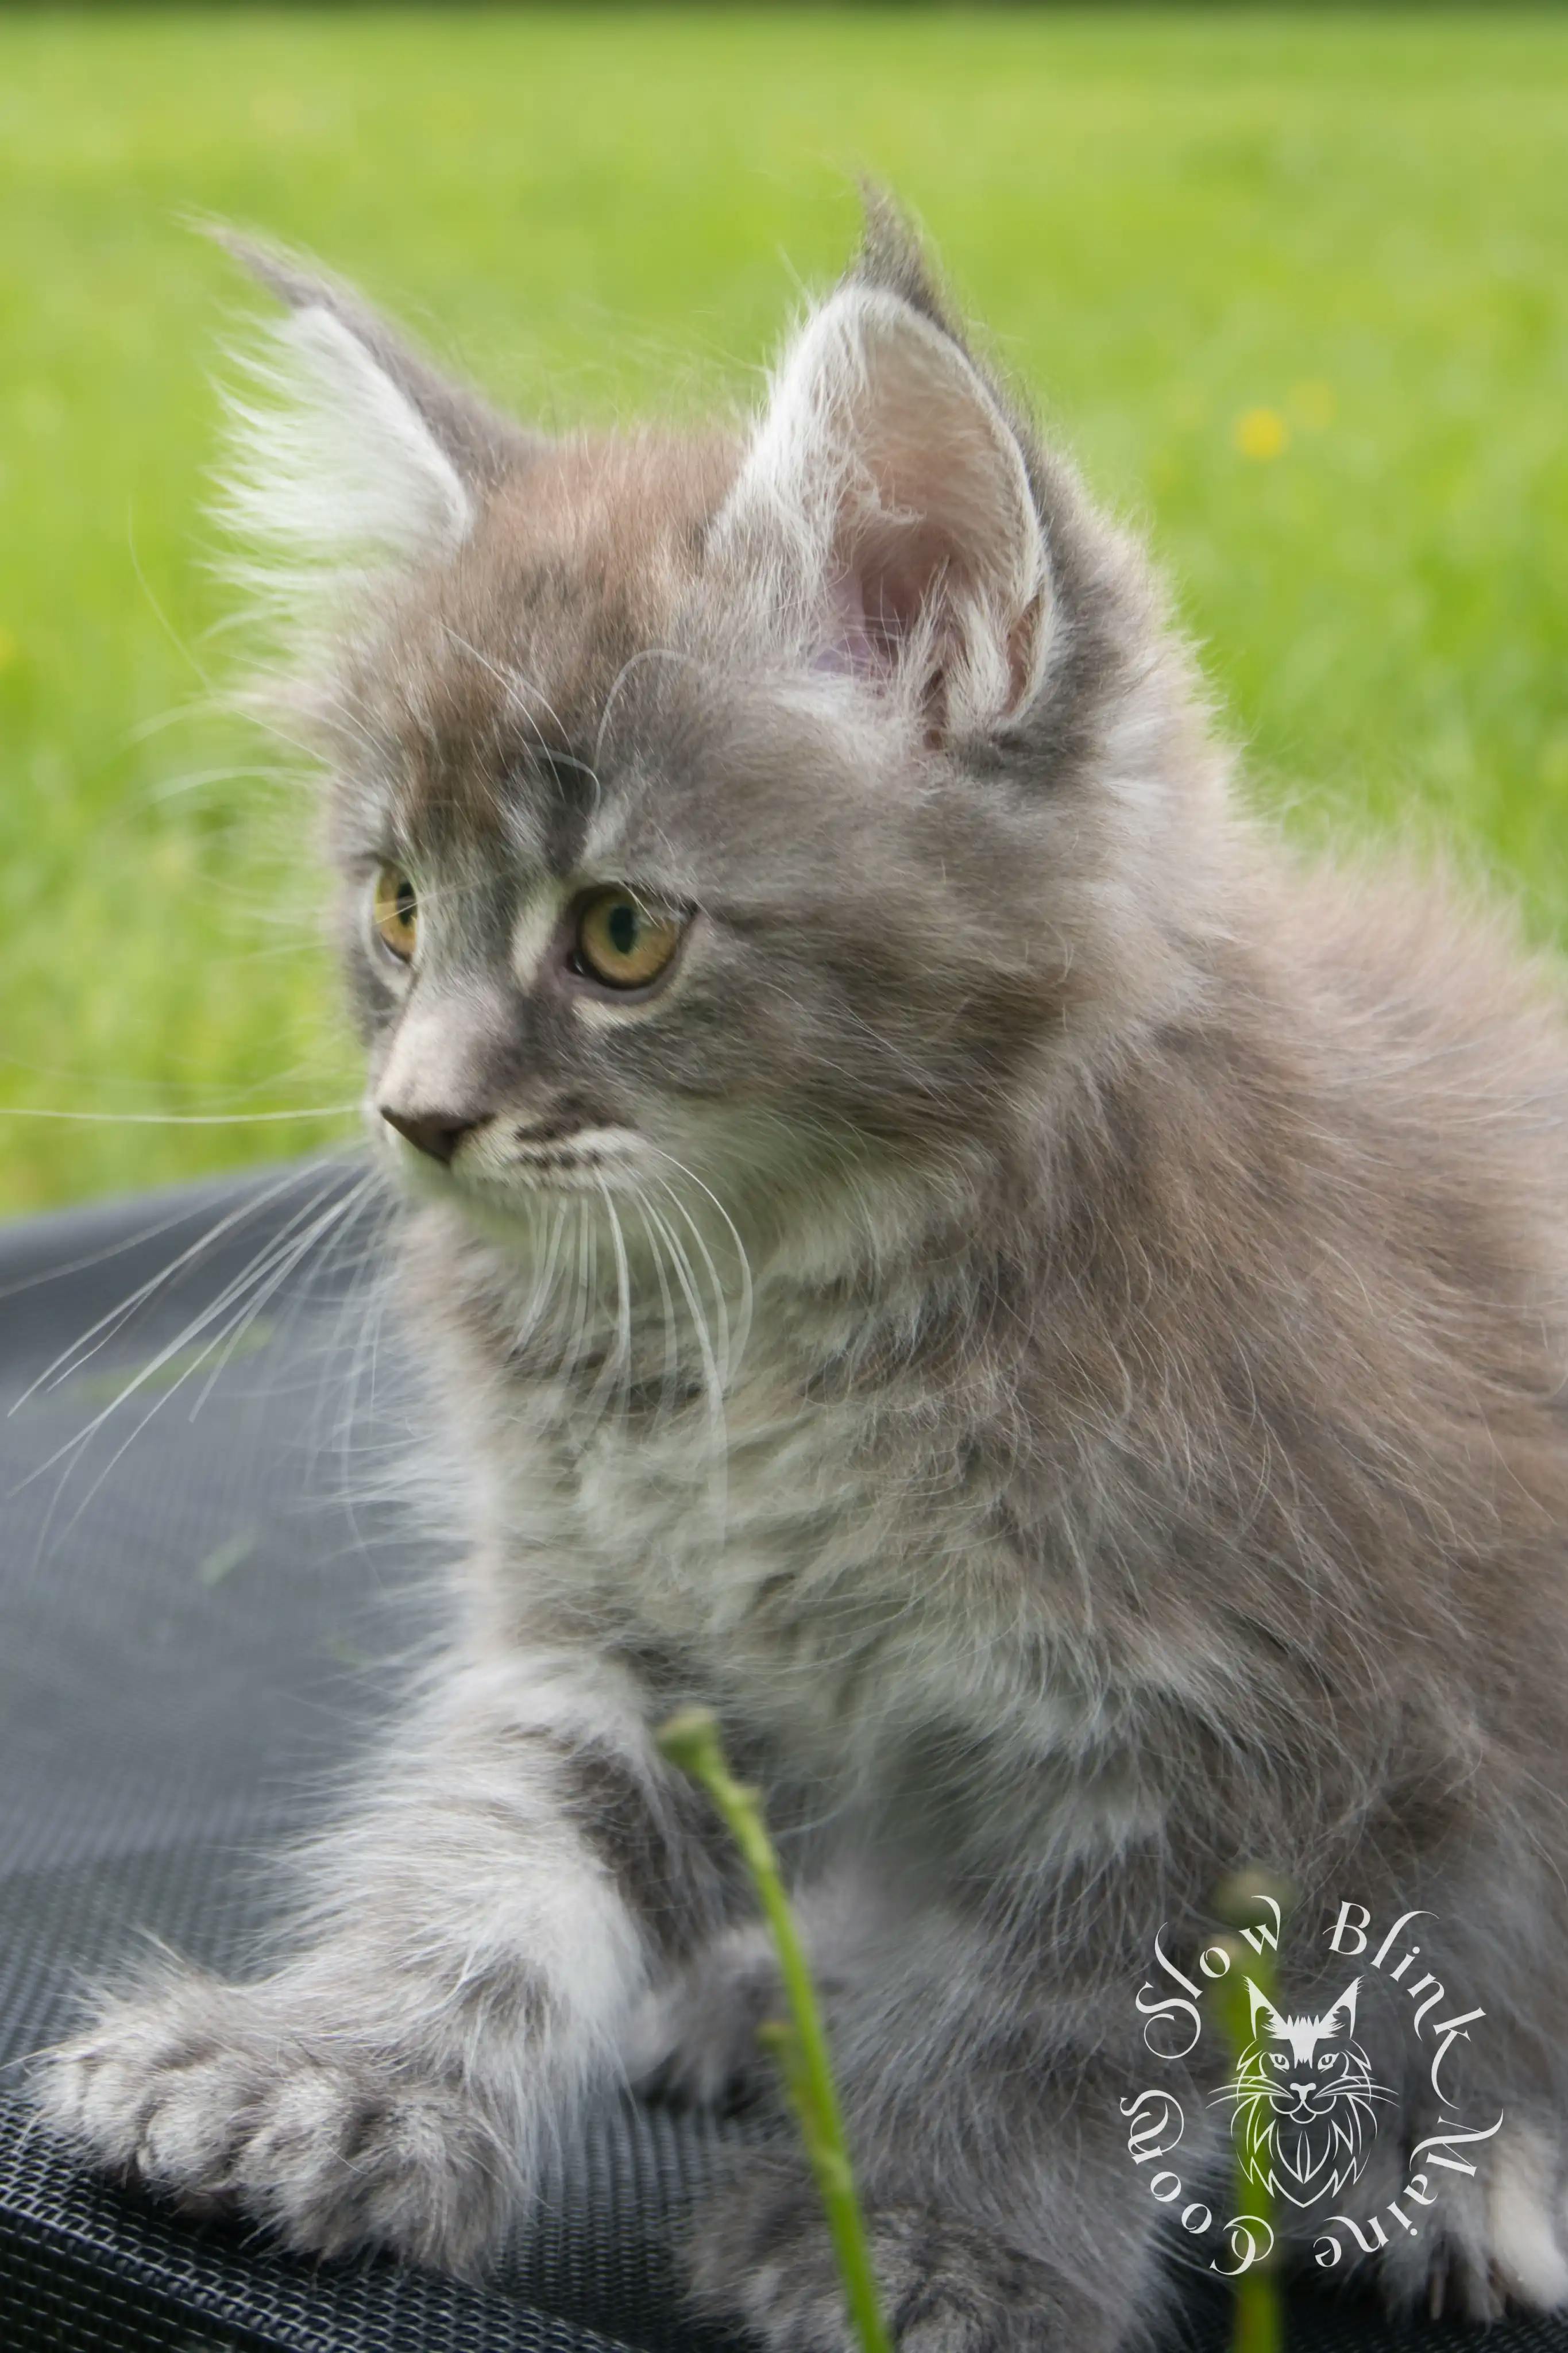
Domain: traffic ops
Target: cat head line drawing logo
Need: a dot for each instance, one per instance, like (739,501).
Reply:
(1303,2101)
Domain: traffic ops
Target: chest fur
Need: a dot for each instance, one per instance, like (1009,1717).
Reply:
(832,1571)
(731,1537)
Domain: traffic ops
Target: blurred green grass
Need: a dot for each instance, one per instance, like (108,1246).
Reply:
(1293,286)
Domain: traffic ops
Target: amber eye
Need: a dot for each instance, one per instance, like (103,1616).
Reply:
(621,943)
(396,913)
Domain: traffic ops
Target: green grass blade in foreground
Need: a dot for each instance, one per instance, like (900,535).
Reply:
(1259,2304)
(690,1741)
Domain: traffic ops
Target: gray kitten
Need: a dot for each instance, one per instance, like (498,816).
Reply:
(934,1234)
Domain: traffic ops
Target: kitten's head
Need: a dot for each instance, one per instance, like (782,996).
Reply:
(784,806)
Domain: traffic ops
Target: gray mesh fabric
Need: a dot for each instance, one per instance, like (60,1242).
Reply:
(197,1620)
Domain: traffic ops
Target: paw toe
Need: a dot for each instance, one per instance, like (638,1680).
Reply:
(329,2142)
(105,2089)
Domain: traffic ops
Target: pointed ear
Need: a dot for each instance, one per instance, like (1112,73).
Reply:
(885,499)
(1263,2008)
(1342,2017)
(355,451)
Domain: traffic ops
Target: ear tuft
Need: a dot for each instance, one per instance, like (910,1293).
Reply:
(892,258)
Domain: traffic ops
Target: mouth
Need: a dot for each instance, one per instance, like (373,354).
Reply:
(569,1166)
(583,1159)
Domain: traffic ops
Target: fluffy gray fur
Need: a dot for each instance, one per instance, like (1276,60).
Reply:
(1047,1315)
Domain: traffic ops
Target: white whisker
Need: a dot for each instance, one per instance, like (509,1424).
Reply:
(573,1346)
(721,1303)
(747,1295)
(669,1388)
(622,1357)
(259,1281)
(71,1358)
(712,1385)
(182,1118)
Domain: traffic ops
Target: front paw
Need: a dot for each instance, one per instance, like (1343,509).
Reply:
(201,2091)
(762,2254)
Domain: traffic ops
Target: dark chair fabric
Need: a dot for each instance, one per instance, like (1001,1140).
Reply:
(199,1616)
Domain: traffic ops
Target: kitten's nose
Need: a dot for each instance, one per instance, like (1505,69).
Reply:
(438,1133)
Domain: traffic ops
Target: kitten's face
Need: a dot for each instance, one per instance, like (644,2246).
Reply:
(721,804)
(616,894)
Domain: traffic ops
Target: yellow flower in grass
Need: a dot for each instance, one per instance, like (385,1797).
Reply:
(1260,433)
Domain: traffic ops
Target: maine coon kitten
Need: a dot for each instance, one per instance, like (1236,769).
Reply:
(934,1234)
